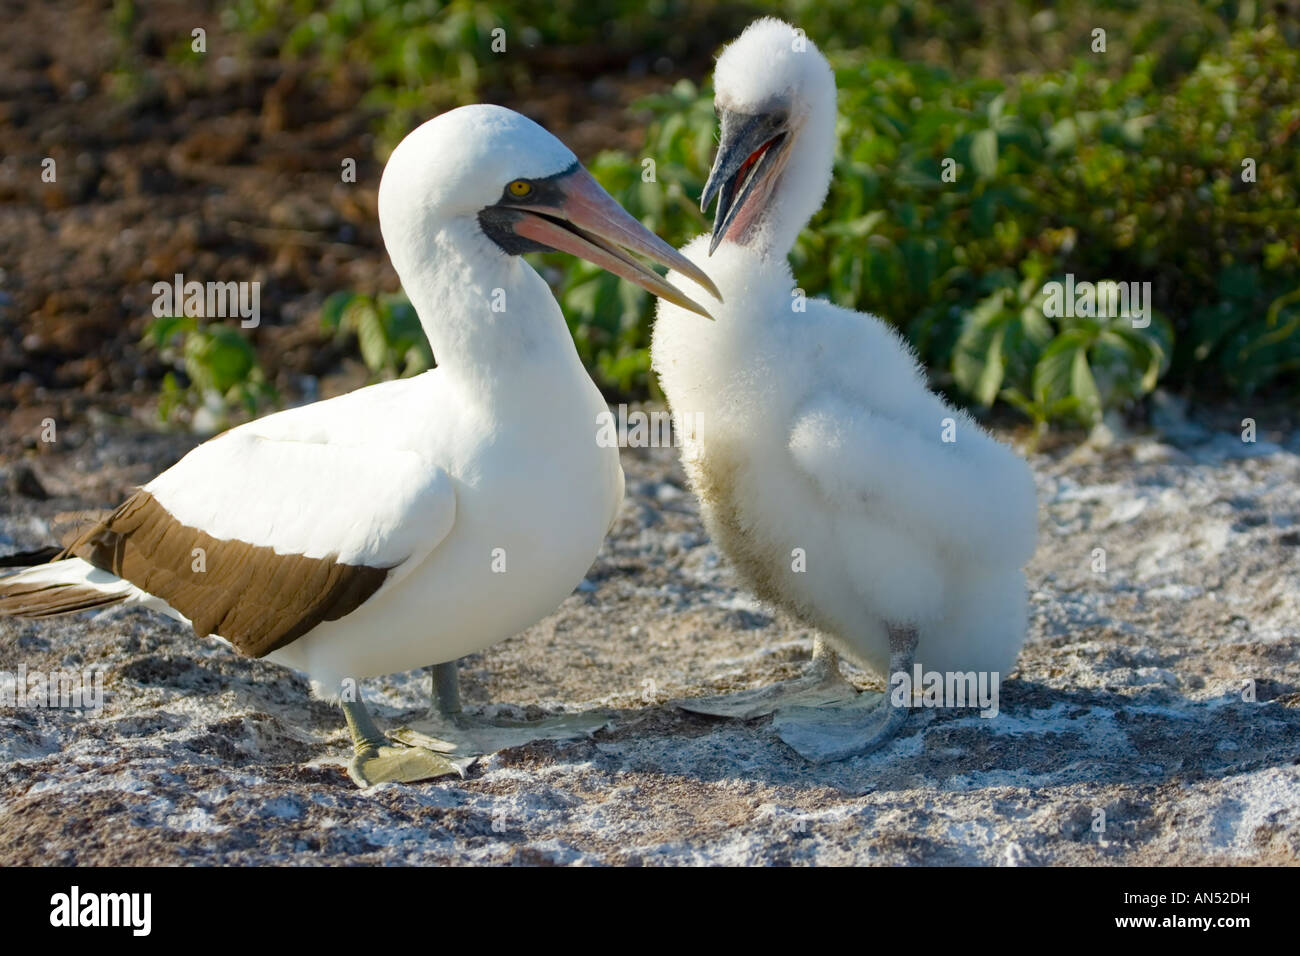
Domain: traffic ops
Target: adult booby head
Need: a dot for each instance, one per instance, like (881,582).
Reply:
(499,181)
(774,94)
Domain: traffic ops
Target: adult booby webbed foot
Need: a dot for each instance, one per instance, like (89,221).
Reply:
(827,734)
(376,759)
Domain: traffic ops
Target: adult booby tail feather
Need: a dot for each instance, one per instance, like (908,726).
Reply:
(64,586)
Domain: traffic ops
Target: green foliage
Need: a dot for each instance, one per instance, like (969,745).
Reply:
(387,329)
(1068,171)
(222,377)
(1067,368)
(1124,165)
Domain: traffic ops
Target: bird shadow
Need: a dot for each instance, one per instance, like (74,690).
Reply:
(1042,736)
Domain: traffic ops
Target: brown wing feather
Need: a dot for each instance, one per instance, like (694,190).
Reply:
(256,599)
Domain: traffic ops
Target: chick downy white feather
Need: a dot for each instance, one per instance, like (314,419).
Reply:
(817,450)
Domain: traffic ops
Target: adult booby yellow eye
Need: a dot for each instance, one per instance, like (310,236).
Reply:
(519,189)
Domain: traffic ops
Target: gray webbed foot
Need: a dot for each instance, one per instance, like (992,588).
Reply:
(819,685)
(855,727)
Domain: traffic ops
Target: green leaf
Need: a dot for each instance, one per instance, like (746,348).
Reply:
(418,359)
(1063,136)
(161,331)
(229,357)
(332,309)
(1084,388)
(978,364)
(1053,371)
(371,338)
(984,153)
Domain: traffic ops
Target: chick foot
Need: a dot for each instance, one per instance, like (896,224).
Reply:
(863,724)
(819,685)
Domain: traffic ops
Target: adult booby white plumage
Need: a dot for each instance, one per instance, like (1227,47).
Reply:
(416,521)
(819,455)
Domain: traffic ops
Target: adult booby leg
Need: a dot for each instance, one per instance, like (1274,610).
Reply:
(376,759)
(820,684)
(446,687)
(448,729)
(826,734)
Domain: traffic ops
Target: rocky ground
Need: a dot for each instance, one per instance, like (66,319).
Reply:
(1131,700)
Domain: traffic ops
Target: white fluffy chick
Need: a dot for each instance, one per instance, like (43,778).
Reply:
(837,484)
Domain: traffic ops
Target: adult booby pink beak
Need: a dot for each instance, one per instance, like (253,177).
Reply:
(572,213)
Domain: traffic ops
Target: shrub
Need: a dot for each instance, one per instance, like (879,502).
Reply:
(219,373)
(1068,172)
(1124,166)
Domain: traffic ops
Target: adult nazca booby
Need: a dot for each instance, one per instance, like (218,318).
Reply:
(415,521)
(822,461)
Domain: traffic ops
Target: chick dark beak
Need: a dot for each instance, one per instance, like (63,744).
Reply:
(750,153)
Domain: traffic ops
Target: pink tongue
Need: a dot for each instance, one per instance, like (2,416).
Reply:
(746,215)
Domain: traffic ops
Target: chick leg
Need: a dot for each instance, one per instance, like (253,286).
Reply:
(819,684)
(450,730)
(375,759)
(827,734)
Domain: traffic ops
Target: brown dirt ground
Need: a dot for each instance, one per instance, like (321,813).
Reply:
(224,169)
